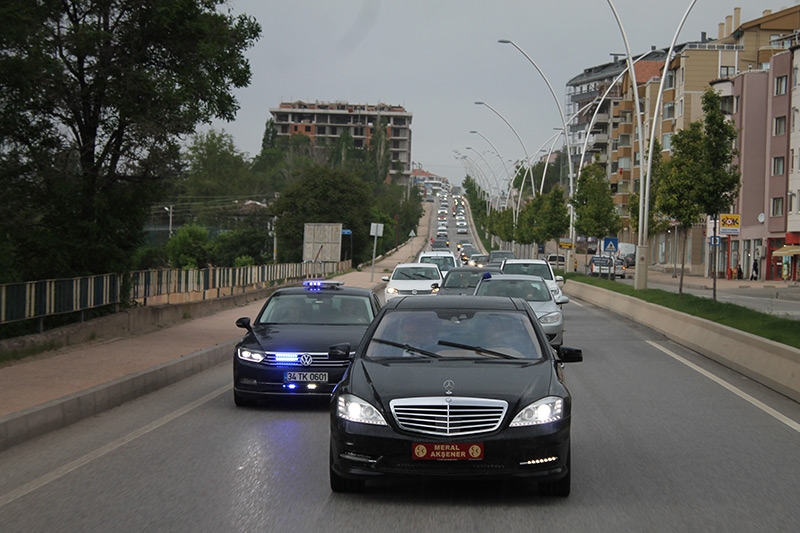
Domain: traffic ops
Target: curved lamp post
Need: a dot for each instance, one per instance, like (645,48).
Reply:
(524,149)
(640,276)
(563,123)
(498,155)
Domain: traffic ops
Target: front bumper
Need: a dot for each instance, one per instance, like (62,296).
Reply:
(359,451)
(255,381)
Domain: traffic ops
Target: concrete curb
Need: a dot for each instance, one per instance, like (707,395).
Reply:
(19,427)
(770,363)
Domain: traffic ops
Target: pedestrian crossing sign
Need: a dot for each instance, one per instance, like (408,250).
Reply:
(610,245)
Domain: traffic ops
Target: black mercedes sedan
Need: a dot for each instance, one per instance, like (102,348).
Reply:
(453,387)
(286,348)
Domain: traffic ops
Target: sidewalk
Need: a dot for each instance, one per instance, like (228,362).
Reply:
(52,390)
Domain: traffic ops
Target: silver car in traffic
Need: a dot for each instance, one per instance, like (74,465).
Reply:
(535,291)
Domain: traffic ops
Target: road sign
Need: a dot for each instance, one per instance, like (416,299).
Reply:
(729,224)
(713,240)
(412,234)
(376,230)
(610,245)
(565,244)
(347,232)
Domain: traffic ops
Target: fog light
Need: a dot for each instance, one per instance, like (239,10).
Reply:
(541,461)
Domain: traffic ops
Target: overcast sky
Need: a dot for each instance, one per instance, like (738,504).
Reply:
(437,57)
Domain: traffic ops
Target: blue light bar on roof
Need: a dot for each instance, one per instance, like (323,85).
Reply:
(320,284)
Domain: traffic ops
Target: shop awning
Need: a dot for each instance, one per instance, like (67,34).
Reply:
(787,251)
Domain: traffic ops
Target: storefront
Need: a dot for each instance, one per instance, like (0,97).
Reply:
(785,261)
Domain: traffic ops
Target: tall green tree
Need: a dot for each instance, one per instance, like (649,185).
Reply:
(323,195)
(720,181)
(595,214)
(94,99)
(676,195)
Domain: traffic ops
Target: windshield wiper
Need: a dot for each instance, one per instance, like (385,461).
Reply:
(478,349)
(409,348)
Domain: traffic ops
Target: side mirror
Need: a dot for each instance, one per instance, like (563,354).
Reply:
(339,351)
(434,285)
(243,323)
(562,300)
(569,355)
(559,279)
(384,278)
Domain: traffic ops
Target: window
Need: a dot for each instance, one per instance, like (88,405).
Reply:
(790,202)
(779,125)
(626,117)
(669,81)
(726,105)
(777,206)
(624,163)
(780,85)
(666,142)
(794,118)
(669,110)
(777,166)
(725,72)
(791,162)
(794,76)
(624,139)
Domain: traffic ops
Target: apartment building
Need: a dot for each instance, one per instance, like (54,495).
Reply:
(744,60)
(324,122)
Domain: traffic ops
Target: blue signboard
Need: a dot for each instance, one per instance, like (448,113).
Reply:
(610,245)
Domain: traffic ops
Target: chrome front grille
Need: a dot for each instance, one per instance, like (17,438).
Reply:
(448,416)
(416,292)
(293,359)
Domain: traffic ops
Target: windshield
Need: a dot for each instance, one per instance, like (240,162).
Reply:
(416,273)
(533,290)
(318,308)
(453,333)
(462,280)
(529,269)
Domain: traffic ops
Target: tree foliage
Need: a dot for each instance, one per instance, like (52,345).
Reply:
(700,176)
(595,214)
(94,98)
(323,195)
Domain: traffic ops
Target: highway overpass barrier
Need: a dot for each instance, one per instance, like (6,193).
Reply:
(770,363)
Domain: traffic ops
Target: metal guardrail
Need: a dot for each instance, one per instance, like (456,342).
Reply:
(39,299)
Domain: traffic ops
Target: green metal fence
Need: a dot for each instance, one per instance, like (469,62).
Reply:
(39,299)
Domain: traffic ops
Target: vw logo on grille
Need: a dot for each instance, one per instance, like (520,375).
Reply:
(306,359)
(414,291)
(449,385)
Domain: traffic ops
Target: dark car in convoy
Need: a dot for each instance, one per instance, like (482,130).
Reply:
(286,348)
(461,280)
(458,387)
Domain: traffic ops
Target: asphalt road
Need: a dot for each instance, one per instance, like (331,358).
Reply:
(663,440)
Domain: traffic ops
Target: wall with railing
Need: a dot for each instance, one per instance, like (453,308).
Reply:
(39,299)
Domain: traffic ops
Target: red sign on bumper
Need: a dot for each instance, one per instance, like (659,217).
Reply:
(469,451)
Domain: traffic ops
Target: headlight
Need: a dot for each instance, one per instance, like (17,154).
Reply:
(355,409)
(545,410)
(550,318)
(249,355)
(391,290)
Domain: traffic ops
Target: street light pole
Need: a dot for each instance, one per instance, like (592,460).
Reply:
(566,136)
(169,209)
(498,155)
(640,275)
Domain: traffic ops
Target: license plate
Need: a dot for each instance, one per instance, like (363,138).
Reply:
(435,451)
(306,376)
